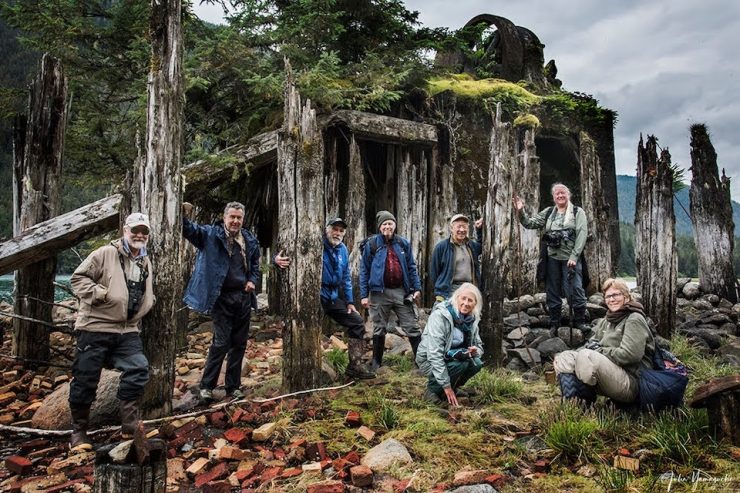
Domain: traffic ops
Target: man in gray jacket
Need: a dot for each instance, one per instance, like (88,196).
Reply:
(114,285)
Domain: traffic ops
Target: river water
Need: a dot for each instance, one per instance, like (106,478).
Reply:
(6,288)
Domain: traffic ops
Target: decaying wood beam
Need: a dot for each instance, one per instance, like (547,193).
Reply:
(259,150)
(48,238)
(383,128)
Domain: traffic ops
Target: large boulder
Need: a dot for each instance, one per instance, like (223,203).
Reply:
(691,290)
(386,454)
(54,411)
(551,347)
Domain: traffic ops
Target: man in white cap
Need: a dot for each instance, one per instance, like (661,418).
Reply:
(456,260)
(114,285)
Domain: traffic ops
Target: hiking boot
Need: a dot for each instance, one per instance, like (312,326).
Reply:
(237,394)
(554,330)
(378,350)
(432,398)
(129,418)
(355,369)
(205,396)
(79,441)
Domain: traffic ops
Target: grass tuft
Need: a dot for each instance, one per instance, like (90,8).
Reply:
(571,431)
(680,436)
(338,359)
(498,385)
(399,362)
(384,411)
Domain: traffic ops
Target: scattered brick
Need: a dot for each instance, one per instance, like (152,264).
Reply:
(7,398)
(64,486)
(18,464)
(541,466)
(468,476)
(218,472)
(495,480)
(290,473)
(197,466)
(325,464)
(353,419)
(329,486)
(264,432)
(239,436)
(300,442)
(311,467)
(217,487)
(233,453)
(362,476)
(366,433)
(624,452)
(352,457)
(270,473)
(34,444)
(316,451)
(219,419)
(627,463)
(279,453)
(339,464)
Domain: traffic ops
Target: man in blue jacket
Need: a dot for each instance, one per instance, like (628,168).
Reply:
(456,260)
(389,282)
(223,284)
(337,298)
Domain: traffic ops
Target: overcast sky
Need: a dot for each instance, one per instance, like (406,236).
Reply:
(662,65)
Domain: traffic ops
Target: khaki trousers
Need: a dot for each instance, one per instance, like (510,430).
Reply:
(593,368)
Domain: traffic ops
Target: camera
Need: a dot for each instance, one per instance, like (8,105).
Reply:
(135,295)
(554,238)
(409,300)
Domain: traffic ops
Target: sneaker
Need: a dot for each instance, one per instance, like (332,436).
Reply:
(238,394)
(205,395)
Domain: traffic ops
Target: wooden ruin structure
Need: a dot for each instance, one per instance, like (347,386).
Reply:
(425,163)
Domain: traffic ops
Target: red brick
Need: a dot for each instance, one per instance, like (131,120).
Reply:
(401,486)
(64,486)
(279,453)
(243,474)
(34,444)
(316,451)
(239,436)
(496,480)
(270,473)
(300,442)
(326,487)
(352,457)
(251,482)
(339,464)
(353,419)
(19,465)
(219,419)
(292,472)
(541,465)
(248,417)
(80,472)
(325,464)
(624,452)
(361,476)
(186,428)
(218,472)
(217,487)
(268,406)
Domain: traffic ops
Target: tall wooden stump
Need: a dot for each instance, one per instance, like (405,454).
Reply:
(37,174)
(598,251)
(161,197)
(525,243)
(496,241)
(655,235)
(301,223)
(711,213)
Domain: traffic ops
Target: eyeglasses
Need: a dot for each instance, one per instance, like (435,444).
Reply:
(613,296)
(140,230)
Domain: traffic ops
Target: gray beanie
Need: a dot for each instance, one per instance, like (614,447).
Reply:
(383,216)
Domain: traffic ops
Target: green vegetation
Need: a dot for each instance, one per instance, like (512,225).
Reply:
(498,385)
(338,359)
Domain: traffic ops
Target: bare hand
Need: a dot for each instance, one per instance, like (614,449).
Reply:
(451,397)
(473,351)
(478,223)
(282,261)
(518,203)
(365,302)
(351,308)
(249,287)
(417,296)
(571,264)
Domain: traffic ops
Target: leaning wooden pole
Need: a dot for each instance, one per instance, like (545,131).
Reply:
(711,213)
(655,235)
(161,197)
(37,193)
(498,224)
(301,220)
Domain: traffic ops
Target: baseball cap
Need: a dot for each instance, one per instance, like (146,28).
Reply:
(459,217)
(336,221)
(137,219)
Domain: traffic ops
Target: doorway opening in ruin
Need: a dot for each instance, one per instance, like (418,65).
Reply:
(380,181)
(558,163)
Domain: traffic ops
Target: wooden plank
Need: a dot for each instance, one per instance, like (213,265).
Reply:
(383,128)
(201,175)
(46,239)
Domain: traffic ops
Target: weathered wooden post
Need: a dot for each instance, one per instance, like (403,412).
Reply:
(300,222)
(161,197)
(711,213)
(131,467)
(598,252)
(38,169)
(655,235)
(355,212)
(498,226)
(525,243)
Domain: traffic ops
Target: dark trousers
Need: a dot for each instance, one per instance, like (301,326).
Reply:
(353,322)
(230,315)
(558,284)
(96,350)
(459,371)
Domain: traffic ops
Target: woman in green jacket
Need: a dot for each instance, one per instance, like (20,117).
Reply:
(610,362)
(450,350)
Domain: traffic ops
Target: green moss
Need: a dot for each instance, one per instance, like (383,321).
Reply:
(527,120)
(497,89)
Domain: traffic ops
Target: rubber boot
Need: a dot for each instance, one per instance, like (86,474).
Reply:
(579,316)
(356,369)
(378,350)
(573,388)
(129,418)
(414,341)
(554,326)
(79,441)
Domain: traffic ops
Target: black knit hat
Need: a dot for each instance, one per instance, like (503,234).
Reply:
(383,216)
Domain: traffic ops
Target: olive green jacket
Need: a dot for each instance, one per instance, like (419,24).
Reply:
(629,343)
(568,249)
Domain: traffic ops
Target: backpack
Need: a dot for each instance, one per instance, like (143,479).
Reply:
(664,385)
(542,263)
(373,245)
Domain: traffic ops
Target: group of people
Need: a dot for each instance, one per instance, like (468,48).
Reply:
(114,285)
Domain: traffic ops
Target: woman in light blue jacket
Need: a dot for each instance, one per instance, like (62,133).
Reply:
(450,350)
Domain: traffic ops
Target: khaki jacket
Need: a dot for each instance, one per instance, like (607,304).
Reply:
(100,284)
